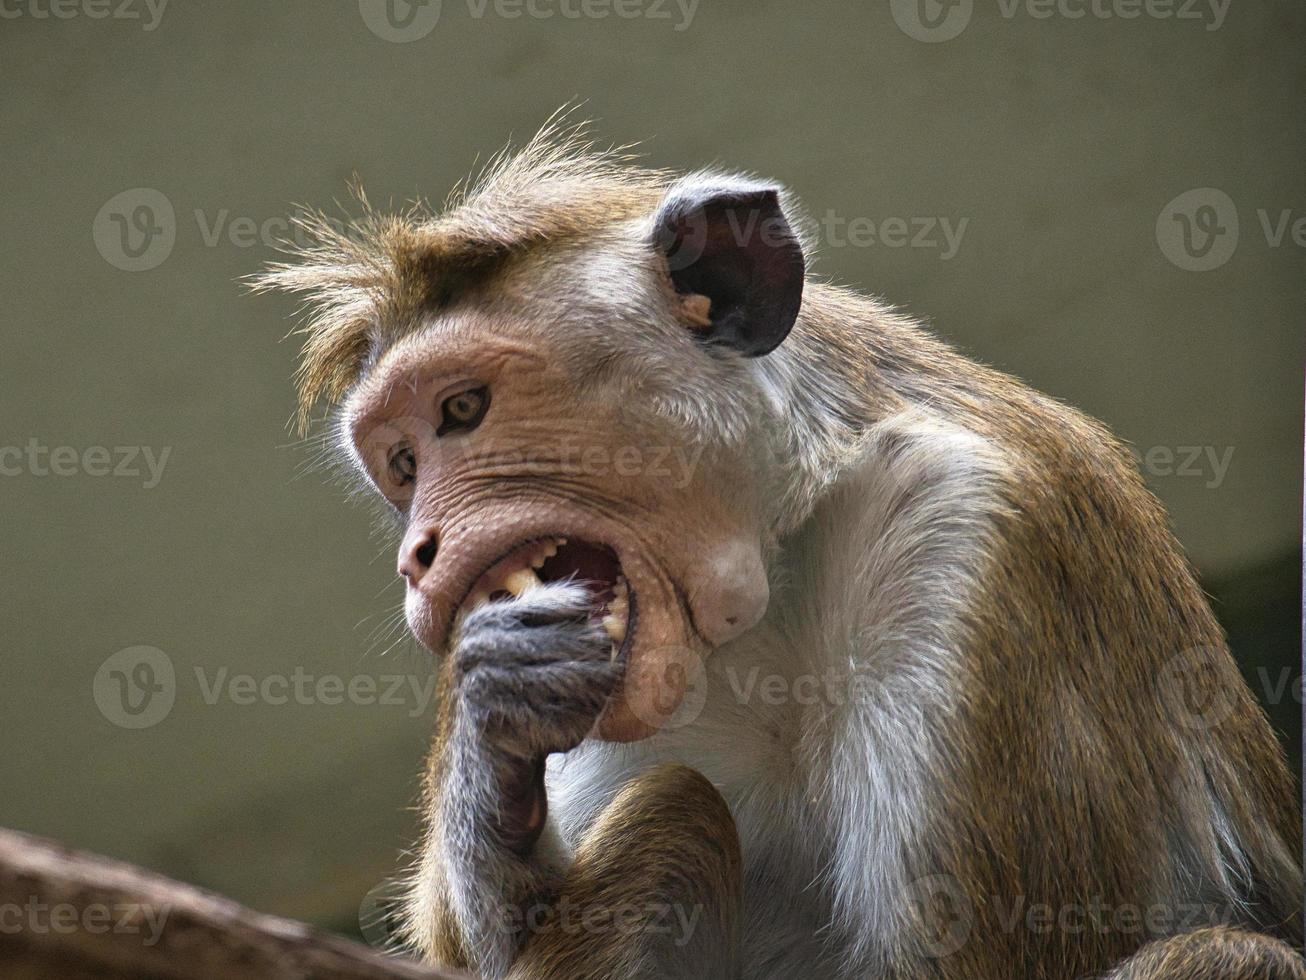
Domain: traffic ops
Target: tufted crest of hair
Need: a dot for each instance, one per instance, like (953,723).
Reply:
(366,281)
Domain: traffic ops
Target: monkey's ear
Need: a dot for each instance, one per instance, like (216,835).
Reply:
(733,259)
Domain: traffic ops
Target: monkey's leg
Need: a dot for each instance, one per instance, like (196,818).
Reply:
(654,892)
(1213,954)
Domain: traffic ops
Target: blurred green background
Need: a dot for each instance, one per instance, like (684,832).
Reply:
(150,161)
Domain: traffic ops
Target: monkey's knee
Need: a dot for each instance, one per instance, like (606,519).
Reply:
(1213,954)
(655,889)
(670,829)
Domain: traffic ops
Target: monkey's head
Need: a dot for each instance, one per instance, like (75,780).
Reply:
(555,380)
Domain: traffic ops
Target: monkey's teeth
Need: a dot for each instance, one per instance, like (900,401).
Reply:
(616,628)
(478,599)
(545,552)
(521,580)
(616,621)
(617,618)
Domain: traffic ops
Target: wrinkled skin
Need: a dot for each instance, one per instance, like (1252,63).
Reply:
(555,456)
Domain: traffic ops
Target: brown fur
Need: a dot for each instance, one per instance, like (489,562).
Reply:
(666,840)
(1214,954)
(367,282)
(1066,785)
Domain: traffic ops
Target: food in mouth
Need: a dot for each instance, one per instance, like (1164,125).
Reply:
(553,560)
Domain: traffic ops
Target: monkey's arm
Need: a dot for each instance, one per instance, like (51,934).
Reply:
(654,889)
(525,678)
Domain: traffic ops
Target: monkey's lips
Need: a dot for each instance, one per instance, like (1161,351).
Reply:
(550,560)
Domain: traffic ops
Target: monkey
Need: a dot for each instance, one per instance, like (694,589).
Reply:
(900,674)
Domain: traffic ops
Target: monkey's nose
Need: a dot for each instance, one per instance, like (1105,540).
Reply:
(417,553)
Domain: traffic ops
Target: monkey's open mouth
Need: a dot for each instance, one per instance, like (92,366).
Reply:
(550,560)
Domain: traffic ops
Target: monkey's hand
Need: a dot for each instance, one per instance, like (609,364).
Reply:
(532,674)
(528,677)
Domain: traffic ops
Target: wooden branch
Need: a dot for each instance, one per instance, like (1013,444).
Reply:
(77,916)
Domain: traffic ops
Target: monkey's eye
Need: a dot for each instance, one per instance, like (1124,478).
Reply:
(402,465)
(463,412)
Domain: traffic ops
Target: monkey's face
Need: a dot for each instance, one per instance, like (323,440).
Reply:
(509,468)
(585,417)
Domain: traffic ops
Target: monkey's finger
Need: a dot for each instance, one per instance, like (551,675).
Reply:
(551,689)
(525,647)
(541,709)
(540,605)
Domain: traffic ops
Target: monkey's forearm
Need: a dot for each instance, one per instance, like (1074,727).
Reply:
(526,678)
(475,889)
(502,858)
